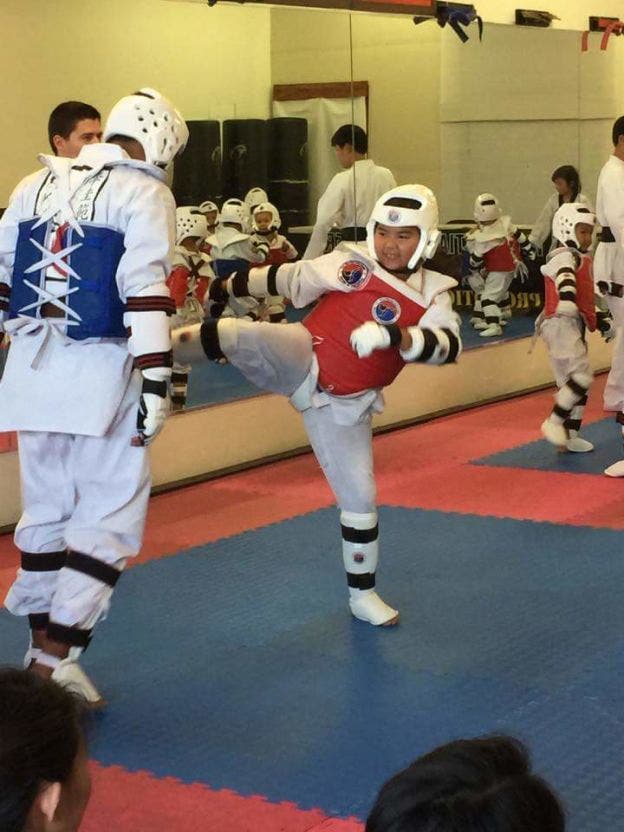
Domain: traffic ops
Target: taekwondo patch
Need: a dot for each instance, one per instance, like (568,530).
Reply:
(354,273)
(394,216)
(386,311)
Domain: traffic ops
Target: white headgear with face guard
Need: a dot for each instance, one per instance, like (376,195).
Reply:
(408,206)
(486,208)
(151,120)
(234,211)
(266,208)
(566,218)
(190,222)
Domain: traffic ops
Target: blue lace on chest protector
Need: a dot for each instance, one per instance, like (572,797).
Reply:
(92,306)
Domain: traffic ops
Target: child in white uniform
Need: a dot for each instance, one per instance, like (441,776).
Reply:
(496,248)
(376,311)
(569,309)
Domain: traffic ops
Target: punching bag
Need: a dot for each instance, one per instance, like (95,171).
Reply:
(288,168)
(197,172)
(244,156)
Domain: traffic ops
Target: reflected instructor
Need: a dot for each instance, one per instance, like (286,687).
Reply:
(345,203)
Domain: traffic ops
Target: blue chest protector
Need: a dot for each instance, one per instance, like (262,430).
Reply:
(224,268)
(97,301)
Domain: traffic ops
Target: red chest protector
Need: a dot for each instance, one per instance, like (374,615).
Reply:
(501,259)
(584,294)
(333,320)
(276,257)
(178,283)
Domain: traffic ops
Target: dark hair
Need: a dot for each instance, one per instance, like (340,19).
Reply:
(570,175)
(64,118)
(478,785)
(618,129)
(40,736)
(353,135)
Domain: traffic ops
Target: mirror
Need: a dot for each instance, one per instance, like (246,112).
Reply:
(437,111)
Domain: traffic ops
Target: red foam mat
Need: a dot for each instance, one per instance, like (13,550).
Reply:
(144,803)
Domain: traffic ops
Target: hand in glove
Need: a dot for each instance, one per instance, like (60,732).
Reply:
(373,336)
(154,406)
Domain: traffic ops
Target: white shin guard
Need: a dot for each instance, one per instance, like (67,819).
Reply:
(360,552)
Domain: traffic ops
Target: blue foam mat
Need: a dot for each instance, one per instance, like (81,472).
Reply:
(237,664)
(540,455)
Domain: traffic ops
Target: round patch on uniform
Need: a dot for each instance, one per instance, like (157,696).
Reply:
(386,311)
(354,273)
(394,216)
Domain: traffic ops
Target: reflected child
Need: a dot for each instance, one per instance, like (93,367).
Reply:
(188,284)
(496,248)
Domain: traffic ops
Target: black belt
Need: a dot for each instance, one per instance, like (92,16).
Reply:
(606,235)
(353,234)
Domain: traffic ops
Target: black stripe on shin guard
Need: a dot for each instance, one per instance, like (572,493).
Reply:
(561,412)
(43,561)
(38,620)
(364,581)
(572,424)
(576,388)
(93,567)
(352,535)
(73,636)
(209,336)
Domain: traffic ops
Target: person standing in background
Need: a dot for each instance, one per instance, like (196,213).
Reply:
(567,189)
(609,271)
(71,125)
(351,195)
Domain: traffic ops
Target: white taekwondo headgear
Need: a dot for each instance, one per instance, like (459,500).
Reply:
(153,121)
(417,206)
(566,218)
(266,208)
(190,222)
(255,196)
(486,208)
(234,210)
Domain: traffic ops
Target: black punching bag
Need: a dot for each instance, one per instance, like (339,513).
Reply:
(197,172)
(244,156)
(288,169)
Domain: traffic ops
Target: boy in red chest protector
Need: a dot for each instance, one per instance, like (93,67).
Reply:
(496,248)
(569,309)
(375,313)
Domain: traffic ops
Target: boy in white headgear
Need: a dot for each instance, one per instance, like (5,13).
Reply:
(496,248)
(376,311)
(266,222)
(85,250)
(188,283)
(570,309)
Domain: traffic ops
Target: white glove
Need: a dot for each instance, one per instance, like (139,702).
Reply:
(154,406)
(369,337)
(567,308)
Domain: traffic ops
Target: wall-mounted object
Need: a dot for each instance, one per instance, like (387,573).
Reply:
(458,16)
(532,17)
(607,25)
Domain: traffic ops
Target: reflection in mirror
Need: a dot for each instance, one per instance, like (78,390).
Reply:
(265,174)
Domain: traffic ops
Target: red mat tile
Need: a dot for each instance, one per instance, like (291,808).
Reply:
(140,802)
